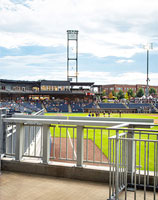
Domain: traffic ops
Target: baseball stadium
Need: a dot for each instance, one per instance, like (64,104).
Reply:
(79,131)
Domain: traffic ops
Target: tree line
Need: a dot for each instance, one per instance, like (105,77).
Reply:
(129,94)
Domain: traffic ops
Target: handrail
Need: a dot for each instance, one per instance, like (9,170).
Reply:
(73,122)
(39,112)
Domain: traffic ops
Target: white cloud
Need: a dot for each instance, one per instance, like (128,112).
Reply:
(117,28)
(106,28)
(122,78)
(33,67)
(124,61)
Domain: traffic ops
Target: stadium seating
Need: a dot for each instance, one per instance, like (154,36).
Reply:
(138,105)
(77,107)
(112,105)
(56,106)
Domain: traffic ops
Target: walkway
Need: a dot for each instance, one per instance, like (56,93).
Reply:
(19,186)
(33,187)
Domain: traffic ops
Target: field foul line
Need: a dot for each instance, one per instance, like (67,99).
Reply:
(71,144)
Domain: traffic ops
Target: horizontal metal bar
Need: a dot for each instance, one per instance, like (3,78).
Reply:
(64,159)
(97,162)
(133,129)
(119,126)
(99,128)
(71,122)
(132,139)
(31,156)
(39,125)
(120,135)
(10,154)
(143,133)
(66,126)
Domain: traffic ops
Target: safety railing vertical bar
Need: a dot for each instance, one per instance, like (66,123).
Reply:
(110,163)
(126,167)
(154,195)
(135,169)
(73,153)
(29,140)
(148,160)
(60,145)
(10,139)
(87,146)
(144,170)
(54,138)
(113,175)
(101,152)
(41,143)
(157,162)
(94,145)
(35,134)
(66,143)
(139,155)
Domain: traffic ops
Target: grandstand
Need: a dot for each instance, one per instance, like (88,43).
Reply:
(112,105)
(62,96)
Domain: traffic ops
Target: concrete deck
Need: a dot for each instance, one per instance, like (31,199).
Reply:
(20,186)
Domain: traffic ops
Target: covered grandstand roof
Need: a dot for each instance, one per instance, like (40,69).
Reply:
(82,83)
(18,81)
(55,82)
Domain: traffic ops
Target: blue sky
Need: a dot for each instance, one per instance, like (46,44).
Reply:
(112,35)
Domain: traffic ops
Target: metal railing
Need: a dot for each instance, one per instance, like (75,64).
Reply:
(133,160)
(64,144)
(130,153)
(85,141)
(32,137)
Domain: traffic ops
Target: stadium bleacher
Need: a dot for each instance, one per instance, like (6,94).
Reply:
(141,107)
(56,106)
(112,105)
(21,106)
(76,106)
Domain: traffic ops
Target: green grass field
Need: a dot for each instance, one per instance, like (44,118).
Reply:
(105,135)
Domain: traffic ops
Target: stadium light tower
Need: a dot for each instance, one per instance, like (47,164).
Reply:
(148,47)
(72,55)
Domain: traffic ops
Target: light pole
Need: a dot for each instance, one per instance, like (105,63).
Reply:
(148,47)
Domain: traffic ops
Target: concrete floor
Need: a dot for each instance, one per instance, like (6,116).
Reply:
(17,186)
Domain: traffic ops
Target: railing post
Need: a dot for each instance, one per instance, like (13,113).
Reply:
(2,131)
(80,145)
(131,153)
(46,143)
(117,165)
(2,134)
(19,141)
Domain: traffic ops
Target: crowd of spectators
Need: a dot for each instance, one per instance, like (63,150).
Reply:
(74,106)
(21,106)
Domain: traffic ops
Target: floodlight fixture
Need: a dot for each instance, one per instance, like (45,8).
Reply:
(72,37)
(148,47)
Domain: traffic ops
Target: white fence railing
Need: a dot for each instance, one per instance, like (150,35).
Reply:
(130,152)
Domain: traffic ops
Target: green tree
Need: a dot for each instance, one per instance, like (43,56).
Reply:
(110,95)
(120,94)
(113,93)
(130,93)
(126,96)
(152,91)
(104,93)
(140,92)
